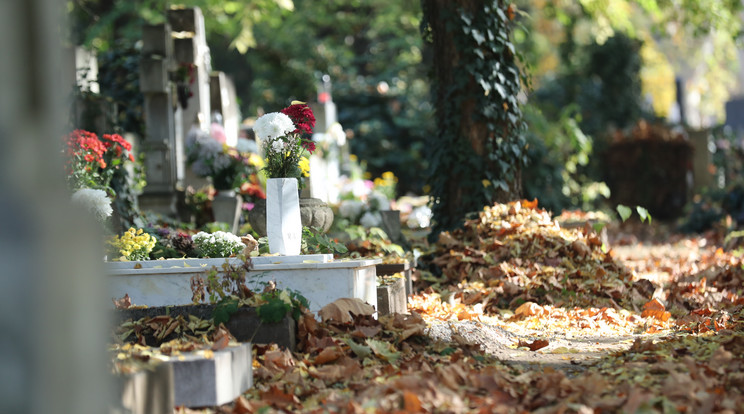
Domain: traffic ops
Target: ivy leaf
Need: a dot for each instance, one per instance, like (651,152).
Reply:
(624,211)
(273,311)
(223,310)
(644,214)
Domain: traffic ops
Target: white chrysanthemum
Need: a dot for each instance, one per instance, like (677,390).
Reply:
(278,144)
(95,201)
(218,244)
(371,219)
(350,209)
(273,125)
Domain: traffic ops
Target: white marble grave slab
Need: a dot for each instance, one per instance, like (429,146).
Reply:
(168,282)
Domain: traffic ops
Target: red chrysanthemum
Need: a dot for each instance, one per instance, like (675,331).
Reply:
(302,117)
(308,145)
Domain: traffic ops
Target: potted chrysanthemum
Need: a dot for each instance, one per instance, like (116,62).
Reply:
(285,140)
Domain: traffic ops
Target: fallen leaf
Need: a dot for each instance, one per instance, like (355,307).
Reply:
(328,355)
(528,309)
(383,349)
(411,402)
(656,310)
(534,345)
(341,310)
(123,303)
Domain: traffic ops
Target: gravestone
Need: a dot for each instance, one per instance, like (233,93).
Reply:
(224,100)
(329,136)
(159,144)
(191,53)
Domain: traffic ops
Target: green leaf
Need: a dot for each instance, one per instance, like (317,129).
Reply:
(383,350)
(273,311)
(362,351)
(624,211)
(644,214)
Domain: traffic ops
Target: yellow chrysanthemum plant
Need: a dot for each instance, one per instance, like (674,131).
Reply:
(132,245)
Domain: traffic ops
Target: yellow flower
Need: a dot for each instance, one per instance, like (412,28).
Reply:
(256,160)
(305,166)
(352,158)
(486,183)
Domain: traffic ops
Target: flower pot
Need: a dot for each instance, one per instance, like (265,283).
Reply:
(314,213)
(283,223)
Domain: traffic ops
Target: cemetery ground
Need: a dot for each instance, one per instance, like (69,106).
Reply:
(518,313)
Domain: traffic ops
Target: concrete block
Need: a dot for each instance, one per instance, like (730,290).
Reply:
(184,50)
(156,40)
(207,382)
(147,391)
(391,296)
(244,325)
(153,75)
(386,269)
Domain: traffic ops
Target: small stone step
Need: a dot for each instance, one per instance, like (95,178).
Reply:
(200,381)
(149,391)
(391,295)
(406,268)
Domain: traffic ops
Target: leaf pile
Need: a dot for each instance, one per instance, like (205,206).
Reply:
(520,254)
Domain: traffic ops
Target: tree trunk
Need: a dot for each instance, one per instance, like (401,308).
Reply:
(474,128)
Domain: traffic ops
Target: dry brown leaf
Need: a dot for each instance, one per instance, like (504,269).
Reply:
(124,302)
(528,309)
(534,345)
(328,355)
(341,309)
(278,398)
(411,402)
(656,310)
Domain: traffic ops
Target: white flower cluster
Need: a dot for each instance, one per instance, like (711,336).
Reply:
(208,156)
(95,201)
(218,244)
(271,126)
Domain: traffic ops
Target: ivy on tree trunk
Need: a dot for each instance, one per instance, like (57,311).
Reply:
(478,153)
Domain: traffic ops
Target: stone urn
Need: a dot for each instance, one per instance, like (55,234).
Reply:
(313,213)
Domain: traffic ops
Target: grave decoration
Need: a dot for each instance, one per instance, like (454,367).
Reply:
(284,137)
(91,163)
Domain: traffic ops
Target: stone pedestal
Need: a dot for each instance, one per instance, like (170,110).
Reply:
(168,282)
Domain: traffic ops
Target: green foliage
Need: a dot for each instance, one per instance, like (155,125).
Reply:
(625,212)
(315,241)
(371,241)
(225,308)
(479,149)
(558,153)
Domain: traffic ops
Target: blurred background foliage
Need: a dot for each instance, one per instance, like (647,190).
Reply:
(595,65)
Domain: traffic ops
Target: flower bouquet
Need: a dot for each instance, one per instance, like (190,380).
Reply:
(284,137)
(91,164)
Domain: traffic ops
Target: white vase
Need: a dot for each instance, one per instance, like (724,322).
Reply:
(283,222)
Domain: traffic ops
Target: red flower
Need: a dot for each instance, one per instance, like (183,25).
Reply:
(308,145)
(253,190)
(302,117)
